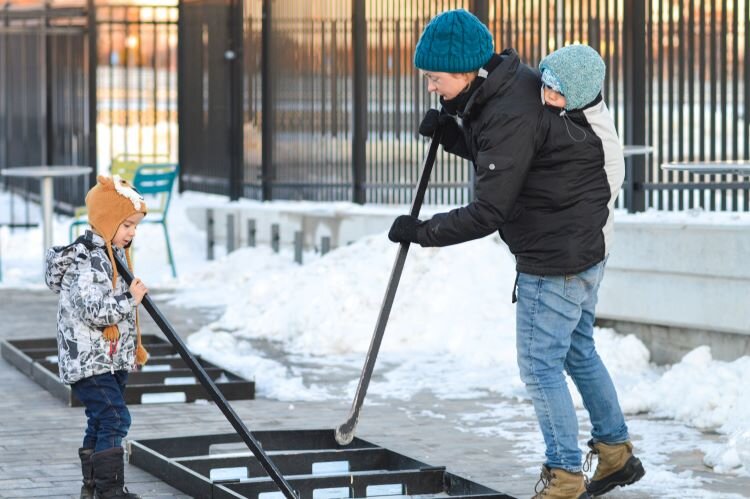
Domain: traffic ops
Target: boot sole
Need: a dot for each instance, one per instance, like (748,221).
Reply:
(628,475)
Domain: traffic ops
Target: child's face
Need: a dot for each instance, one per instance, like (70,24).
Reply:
(552,98)
(447,85)
(126,231)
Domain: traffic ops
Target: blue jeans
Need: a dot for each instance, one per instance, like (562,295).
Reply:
(108,416)
(554,332)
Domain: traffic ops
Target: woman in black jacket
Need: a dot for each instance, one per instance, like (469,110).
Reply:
(546,179)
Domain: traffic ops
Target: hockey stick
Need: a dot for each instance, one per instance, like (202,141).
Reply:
(210,387)
(345,431)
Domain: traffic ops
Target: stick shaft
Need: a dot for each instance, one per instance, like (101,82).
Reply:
(345,432)
(210,386)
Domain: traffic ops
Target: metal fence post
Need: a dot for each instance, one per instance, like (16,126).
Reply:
(251,233)
(182,73)
(634,26)
(233,56)
(298,236)
(210,234)
(359,136)
(93,37)
(481,9)
(230,233)
(594,30)
(46,125)
(4,96)
(267,98)
(275,238)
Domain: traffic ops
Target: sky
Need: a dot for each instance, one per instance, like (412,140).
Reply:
(302,331)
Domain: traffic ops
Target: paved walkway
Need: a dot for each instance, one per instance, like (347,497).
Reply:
(39,435)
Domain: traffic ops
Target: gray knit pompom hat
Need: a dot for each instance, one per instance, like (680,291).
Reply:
(576,71)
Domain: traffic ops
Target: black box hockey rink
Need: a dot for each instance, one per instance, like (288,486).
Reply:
(314,464)
(164,378)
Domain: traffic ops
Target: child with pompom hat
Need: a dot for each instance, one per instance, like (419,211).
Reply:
(98,336)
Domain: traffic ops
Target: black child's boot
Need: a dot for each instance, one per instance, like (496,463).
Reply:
(109,475)
(87,470)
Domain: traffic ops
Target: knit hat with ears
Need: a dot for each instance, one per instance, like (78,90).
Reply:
(109,203)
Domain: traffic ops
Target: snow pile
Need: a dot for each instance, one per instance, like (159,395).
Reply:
(709,395)
(451,330)
(330,306)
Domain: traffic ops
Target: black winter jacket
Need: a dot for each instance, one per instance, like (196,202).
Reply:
(542,179)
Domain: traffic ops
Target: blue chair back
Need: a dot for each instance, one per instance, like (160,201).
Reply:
(156,180)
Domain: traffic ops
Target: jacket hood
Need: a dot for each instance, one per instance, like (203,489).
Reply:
(499,79)
(59,258)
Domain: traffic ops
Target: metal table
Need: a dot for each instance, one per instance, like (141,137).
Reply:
(45,174)
(741,168)
(629,151)
(636,150)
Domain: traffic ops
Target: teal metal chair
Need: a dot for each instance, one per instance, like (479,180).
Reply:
(156,182)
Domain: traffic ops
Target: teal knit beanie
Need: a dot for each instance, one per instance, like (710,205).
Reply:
(576,71)
(454,41)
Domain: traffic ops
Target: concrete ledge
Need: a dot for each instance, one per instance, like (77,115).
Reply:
(342,222)
(668,344)
(678,285)
(673,299)
(678,278)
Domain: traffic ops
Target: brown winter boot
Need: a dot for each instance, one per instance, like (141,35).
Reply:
(560,484)
(616,466)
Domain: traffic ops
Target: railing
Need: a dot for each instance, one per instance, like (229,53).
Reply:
(136,81)
(45,98)
(677,80)
(64,103)
(330,100)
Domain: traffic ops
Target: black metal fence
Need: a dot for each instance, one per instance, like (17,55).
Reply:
(73,95)
(137,82)
(319,100)
(341,103)
(45,96)
(676,80)
(698,100)
(210,98)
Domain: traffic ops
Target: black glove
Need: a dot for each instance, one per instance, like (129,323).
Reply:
(404,229)
(433,119)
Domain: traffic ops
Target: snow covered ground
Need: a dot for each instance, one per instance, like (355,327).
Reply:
(302,331)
